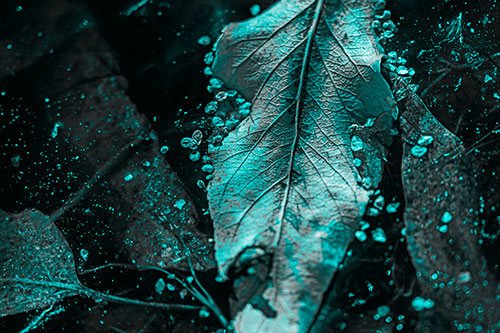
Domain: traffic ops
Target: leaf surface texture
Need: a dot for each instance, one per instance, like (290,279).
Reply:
(285,179)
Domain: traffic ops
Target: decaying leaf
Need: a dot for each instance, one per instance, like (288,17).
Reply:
(441,204)
(294,178)
(150,208)
(33,249)
(33,33)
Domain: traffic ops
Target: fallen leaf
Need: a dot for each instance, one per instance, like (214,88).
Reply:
(441,204)
(285,180)
(150,209)
(35,261)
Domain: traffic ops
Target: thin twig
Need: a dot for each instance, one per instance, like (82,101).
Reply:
(98,296)
(204,298)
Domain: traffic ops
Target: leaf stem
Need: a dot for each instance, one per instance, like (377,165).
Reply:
(204,298)
(98,296)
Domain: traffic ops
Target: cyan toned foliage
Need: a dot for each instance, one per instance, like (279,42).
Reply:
(285,179)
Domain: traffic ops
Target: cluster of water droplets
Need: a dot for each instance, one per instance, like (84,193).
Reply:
(221,115)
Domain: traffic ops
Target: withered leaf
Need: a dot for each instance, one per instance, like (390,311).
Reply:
(285,179)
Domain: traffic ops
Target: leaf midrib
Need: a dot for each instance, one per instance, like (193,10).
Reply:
(298,114)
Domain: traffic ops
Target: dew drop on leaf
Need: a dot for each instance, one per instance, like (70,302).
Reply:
(201,184)
(255,10)
(211,107)
(379,202)
(447,217)
(443,228)
(194,156)
(180,203)
(392,207)
(128,177)
(378,235)
(197,137)
(361,236)
(217,122)
(208,168)
(160,286)
(418,151)
(356,143)
(84,254)
(425,140)
(164,149)
(186,142)
(204,40)
(204,313)
(420,303)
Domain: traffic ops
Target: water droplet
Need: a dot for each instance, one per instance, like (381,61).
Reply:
(160,286)
(383,310)
(356,143)
(208,168)
(420,303)
(378,235)
(84,254)
(447,217)
(464,277)
(379,202)
(180,203)
(211,107)
(208,71)
(255,10)
(402,70)
(204,40)
(243,113)
(201,184)
(364,225)
(216,83)
(425,140)
(392,207)
(372,211)
(443,228)
(217,122)
(204,313)
(183,293)
(197,137)
(357,162)
(221,96)
(361,235)
(164,150)
(209,58)
(194,156)
(55,130)
(418,151)
(128,177)
(186,142)
(170,287)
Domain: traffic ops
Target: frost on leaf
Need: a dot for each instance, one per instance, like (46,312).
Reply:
(285,180)
(35,261)
(440,226)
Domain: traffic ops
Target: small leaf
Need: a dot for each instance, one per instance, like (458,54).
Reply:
(285,179)
(33,249)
